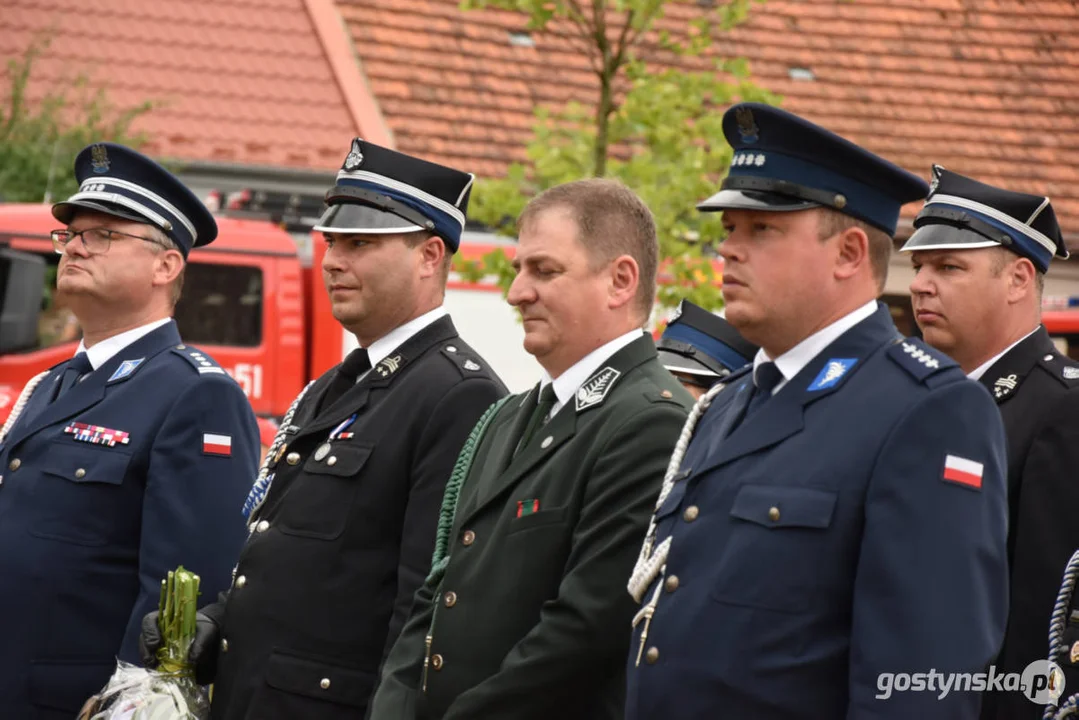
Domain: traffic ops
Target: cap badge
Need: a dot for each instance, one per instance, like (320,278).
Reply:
(99,159)
(355,156)
(936,179)
(747,126)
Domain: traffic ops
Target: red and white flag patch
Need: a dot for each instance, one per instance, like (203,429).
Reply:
(217,444)
(963,471)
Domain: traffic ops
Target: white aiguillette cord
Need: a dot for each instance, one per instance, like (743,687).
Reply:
(20,404)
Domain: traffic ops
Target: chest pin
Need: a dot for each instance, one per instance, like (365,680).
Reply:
(322,452)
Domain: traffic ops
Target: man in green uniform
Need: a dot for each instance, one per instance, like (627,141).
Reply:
(524,614)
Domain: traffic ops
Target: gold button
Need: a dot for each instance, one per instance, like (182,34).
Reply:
(332,460)
(292,458)
(667,394)
(652,655)
(324,683)
(241,581)
(436,661)
(451,598)
(263,526)
(224,645)
(671,584)
(15,465)
(80,473)
(691,513)
(773,513)
(468,538)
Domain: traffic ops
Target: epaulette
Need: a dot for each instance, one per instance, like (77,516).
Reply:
(203,363)
(1061,367)
(919,359)
(465,361)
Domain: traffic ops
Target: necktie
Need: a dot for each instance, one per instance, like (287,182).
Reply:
(766,378)
(546,401)
(76,368)
(354,365)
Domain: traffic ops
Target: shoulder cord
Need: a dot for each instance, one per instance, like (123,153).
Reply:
(261,488)
(1057,622)
(650,565)
(20,404)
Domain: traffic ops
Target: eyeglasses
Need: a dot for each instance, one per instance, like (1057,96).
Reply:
(96,240)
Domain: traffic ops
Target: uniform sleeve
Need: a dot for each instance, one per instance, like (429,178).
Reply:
(191,511)
(584,632)
(931,590)
(436,454)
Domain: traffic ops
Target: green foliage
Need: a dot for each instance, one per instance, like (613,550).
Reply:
(660,133)
(39,139)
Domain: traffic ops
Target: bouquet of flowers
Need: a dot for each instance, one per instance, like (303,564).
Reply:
(169,692)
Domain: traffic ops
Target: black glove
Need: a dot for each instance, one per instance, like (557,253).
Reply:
(203,651)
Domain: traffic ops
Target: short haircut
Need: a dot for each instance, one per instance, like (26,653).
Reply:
(611,221)
(833,222)
(1004,256)
(167,243)
(414,239)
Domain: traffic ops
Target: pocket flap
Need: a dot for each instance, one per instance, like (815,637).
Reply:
(543,517)
(85,463)
(342,460)
(311,678)
(784,506)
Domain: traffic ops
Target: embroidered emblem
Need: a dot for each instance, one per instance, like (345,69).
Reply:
(99,158)
(831,373)
(921,355)
(96,435)
(760,160)
(216,444)
(469,365)
(355,156)
(747,126)
(388,366)
(322,452)
(963,471)
(126,368)
(1070,372)
(596,388)
(1004,386)
(527,507)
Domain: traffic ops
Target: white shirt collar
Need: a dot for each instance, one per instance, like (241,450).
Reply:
(977,373)
(791,362)
(381,348)
(104,351)
(568,383)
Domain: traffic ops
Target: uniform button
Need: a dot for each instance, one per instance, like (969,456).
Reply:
(667,394)
(691,513)
(324,683)
(263,526)
(332,460)
(652,655)
(80,473)
(671,584)
(436,661)
(14,465)
(224,645)
(1048,358)
(292,458)
(451,598)
(241,581)
(773,513)
(451,348)
(468,538)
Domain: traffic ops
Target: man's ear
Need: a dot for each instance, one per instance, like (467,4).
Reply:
(852,254)
(433,253)
(624,279)
(1022,279)
(167,267)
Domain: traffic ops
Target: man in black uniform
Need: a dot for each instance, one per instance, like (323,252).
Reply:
(701,348)
(344,513)
(980,255)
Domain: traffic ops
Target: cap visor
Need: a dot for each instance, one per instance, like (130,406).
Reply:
(363,220)
(946,237)
(754,200)
(674,362)
(65,211)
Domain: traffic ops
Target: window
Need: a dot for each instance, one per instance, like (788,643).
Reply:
(221,305)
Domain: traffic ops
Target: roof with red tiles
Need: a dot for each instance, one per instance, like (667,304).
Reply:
(253,82)
(988,88)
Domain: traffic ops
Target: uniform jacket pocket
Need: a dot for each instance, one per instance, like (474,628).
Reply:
(538,519)
(319,501)
(80,492)
(300,687)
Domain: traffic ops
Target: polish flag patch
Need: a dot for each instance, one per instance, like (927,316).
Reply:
(217,444)
(963,471)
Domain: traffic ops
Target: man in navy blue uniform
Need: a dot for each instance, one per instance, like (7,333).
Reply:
(980,255)
(124,462)
(837,522)
(701,348)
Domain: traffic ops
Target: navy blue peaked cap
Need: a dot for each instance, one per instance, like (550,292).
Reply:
(381,191)
(963,214)
(697,342)
(782,162)
(121,182)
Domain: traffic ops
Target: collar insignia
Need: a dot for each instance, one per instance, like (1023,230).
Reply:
(388,366)
(832,372)
(1005,386)
(595,388)
(126,368)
